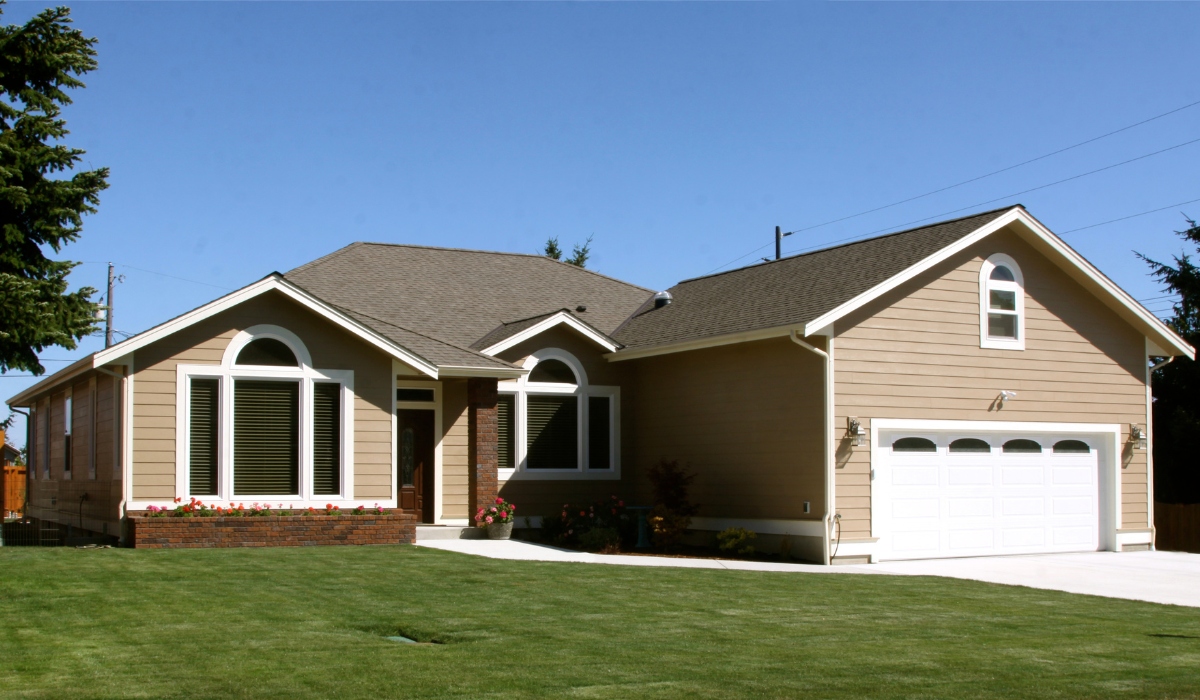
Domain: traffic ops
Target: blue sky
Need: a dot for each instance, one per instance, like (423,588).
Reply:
(250,137)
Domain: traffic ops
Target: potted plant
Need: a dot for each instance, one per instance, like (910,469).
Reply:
(497,519)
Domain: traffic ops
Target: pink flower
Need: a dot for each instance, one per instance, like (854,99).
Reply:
(621,504)
(489,520)
(582,513)
(564,514)
(499,500)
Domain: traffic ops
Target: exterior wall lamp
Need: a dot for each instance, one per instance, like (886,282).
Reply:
(1137,436)
(857,433)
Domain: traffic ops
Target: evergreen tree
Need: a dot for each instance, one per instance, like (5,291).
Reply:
(40,205)
(552,250)
(580,254)
(1176,386)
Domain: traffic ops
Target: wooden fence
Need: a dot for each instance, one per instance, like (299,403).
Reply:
(1177,526)
(13,504)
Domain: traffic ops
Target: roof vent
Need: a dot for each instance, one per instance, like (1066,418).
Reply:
(581,308)
(662,299)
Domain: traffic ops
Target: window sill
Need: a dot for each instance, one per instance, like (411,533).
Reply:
(996,344)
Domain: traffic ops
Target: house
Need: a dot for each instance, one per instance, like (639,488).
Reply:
(973,387)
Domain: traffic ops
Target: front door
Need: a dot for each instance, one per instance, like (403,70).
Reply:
(414,455)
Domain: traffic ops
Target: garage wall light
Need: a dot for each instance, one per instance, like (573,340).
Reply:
(856,432)
(1137,436)
(1006,395)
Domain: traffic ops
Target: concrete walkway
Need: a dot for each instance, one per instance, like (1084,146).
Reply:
(1172,578)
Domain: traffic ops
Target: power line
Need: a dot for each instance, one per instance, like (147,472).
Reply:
(1132,216)
(1008,196)
(160,274)
(969,181)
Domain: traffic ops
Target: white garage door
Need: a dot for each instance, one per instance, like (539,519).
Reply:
(959,495)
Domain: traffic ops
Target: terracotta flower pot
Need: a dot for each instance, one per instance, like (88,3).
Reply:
(500,531)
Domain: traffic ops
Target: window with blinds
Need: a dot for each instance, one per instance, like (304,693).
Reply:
(266,437)
(327,438)
(599,432)
(202,437)
(506,430)
(552,432)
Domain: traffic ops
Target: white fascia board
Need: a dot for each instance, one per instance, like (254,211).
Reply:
(990,426)
(545,325)
(1077,262)
(891,283)
(248,292)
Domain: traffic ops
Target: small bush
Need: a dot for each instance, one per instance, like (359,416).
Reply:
(672,513)
(569,526)
(736,539)
(600,539)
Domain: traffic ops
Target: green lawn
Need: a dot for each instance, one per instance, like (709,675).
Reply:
(311,622)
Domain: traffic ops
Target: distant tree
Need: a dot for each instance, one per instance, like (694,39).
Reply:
(39,205)
(579,255)
(1176,387)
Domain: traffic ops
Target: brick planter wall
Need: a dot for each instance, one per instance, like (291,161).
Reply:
(271,531)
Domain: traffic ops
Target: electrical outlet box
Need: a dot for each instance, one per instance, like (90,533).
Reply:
(807,506)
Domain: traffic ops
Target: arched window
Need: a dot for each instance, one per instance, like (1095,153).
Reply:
(267,352)
(914,444)
(553,422)
(265,425)
(1001,304)
(1022,446)
(553,372)
(970,445)
(1072,446)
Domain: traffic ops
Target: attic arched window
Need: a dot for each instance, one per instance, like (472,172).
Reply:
(267,352)
(1001,304)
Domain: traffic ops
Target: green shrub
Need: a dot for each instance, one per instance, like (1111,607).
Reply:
(600,539)
(736,539)
(569,526)
(672,512)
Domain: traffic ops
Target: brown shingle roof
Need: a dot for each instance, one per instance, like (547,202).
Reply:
(793,290)
(459,296)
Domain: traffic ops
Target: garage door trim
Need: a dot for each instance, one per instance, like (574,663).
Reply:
(1106,436)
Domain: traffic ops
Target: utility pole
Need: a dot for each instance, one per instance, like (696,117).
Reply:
(778,248)
(108,310)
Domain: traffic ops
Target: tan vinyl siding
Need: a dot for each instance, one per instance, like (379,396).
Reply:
(455,467)
(915,354)
(746,418)
(204,343)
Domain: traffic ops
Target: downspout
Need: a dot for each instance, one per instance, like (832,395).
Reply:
(828,429)
(1150,445)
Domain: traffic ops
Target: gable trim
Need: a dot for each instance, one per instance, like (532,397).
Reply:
(271,283)
(1172,340)
(562,317)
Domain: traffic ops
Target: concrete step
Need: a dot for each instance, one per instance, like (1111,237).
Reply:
(449,532)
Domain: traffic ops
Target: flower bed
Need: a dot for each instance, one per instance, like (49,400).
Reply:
(159,532)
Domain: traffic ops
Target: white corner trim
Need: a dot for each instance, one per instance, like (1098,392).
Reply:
(1046,236)
(562,317)
(272,283)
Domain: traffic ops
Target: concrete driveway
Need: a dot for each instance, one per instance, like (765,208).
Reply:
(1158,577)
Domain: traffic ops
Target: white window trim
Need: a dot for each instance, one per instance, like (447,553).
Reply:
(522,388)
(985,284)
(227,372)
(68,462)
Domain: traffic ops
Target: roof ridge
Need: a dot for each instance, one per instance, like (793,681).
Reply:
(355,244)
(850,243)
(423,335)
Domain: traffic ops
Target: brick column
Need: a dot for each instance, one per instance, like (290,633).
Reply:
(482,444)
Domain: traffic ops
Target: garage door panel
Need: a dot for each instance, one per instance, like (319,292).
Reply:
(1022,506)
(970,507)
(1021,476)
(951,504)
(970,476)
(983,539)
